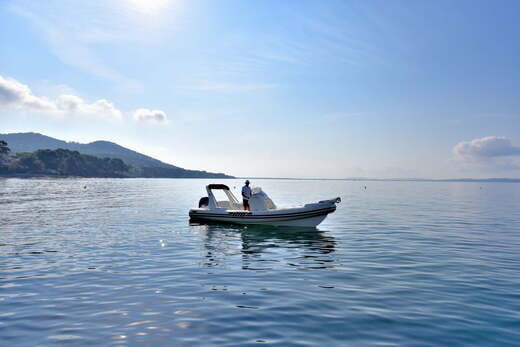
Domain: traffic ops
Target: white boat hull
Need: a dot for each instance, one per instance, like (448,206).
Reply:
(300,217)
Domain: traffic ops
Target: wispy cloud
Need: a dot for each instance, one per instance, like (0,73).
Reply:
(342,116)
(298,46)
(230,87)
(72,30)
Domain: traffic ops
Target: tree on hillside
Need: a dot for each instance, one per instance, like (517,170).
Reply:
(4,150)
(62,162)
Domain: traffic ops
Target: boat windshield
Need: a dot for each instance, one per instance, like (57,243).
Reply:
(223,197)
(220,195)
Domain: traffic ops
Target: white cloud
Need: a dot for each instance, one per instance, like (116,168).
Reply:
(153,116)
(19,96)
(494,155)
(101,107)
(485,148)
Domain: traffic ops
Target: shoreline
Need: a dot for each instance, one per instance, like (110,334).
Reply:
(23,176)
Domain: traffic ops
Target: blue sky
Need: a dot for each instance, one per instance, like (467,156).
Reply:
(329,89)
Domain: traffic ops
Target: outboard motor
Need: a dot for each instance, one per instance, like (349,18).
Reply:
(204,202)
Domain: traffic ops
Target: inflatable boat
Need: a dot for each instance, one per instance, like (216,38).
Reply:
(263,210)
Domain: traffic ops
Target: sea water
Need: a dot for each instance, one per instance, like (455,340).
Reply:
(116,262)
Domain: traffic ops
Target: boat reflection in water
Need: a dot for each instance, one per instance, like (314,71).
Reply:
(264,247)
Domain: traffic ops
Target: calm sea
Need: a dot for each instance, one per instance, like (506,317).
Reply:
(116,262)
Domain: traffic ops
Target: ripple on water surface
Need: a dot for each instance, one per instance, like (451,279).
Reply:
(399,263)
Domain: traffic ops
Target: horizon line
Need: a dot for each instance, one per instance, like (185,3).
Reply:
(466,179)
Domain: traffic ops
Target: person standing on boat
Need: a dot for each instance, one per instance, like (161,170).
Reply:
(246,195)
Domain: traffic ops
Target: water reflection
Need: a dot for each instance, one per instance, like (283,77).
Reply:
(265,247)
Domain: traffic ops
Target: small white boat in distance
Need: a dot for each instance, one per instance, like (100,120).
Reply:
(263,210)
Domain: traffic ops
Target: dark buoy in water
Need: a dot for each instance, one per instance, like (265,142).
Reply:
(365,187)
(84,187)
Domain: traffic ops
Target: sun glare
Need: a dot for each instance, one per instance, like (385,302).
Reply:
(148,7)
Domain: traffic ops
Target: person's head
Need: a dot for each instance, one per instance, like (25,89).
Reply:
(247,182)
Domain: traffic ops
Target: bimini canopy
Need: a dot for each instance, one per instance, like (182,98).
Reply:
(217,186)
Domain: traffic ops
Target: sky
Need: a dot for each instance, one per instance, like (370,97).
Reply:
(304,89)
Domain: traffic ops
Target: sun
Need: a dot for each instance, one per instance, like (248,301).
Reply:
(148,7)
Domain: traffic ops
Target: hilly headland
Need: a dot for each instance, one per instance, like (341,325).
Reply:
(34,154)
